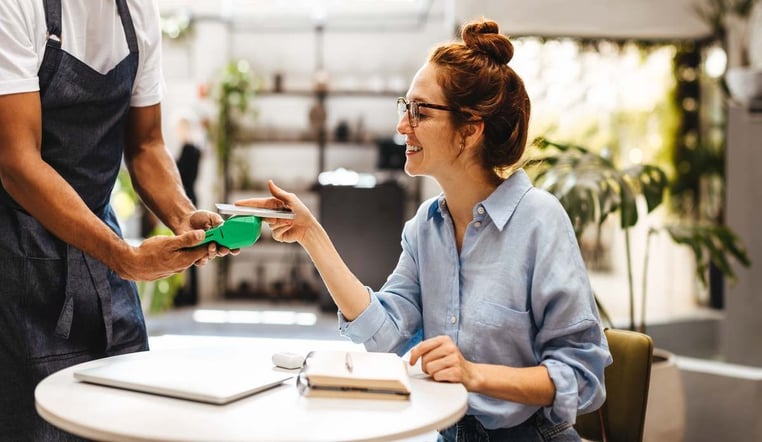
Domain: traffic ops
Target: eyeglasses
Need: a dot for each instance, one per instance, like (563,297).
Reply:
(412,108)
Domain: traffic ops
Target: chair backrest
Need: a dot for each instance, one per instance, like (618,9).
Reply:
(627,380)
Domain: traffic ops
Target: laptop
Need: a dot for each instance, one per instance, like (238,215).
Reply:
(215,382)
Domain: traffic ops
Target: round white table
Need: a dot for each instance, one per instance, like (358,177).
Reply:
(279,414)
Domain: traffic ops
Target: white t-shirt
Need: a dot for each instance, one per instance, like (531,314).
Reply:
(91,31)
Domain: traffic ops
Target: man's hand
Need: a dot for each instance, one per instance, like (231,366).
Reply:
(205,220)
(161,256)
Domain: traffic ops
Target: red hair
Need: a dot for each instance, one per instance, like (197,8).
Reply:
(475,78)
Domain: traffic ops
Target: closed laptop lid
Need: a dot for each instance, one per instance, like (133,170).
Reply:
(211,381)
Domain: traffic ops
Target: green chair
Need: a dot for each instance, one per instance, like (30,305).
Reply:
(622,416)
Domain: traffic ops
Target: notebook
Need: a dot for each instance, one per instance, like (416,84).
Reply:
(214,382)
(367,375)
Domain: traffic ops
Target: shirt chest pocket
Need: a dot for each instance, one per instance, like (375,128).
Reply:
(499,316)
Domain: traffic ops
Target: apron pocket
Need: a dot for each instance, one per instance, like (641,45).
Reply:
(43,303)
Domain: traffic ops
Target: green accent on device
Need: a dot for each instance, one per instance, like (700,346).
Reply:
(236,232)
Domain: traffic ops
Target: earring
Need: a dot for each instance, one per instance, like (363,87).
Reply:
(462,146)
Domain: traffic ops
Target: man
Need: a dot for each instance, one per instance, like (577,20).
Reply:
(80,87)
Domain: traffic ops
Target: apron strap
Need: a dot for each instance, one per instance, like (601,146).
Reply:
(74,285)
(129,28)
(53,18)
(99,273)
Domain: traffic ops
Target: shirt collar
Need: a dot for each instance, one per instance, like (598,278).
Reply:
(501,204)
(435,207)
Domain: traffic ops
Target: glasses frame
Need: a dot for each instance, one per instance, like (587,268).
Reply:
(412,108)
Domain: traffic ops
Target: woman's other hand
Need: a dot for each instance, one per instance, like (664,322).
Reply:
(442,360)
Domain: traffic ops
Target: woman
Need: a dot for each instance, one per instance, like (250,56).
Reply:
(490,289)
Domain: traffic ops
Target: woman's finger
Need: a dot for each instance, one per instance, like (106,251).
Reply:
(279,193)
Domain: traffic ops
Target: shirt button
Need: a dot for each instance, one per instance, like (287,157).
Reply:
(478,224)
(453,320)
(480,210)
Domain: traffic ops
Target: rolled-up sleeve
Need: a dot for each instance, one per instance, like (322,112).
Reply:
(367,324)
(577,373)
(570,343)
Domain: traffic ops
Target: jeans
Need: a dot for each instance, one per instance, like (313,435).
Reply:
(534,429)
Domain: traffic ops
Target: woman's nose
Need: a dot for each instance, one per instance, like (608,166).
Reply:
(403,124)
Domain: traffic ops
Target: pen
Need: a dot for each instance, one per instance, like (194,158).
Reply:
(348,362)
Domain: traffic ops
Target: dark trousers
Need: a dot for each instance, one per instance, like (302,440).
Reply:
(534,429)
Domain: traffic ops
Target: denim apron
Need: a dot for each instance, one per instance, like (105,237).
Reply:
(58,305)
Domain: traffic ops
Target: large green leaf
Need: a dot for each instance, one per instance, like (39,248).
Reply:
(651,180)
(591,187)
(710,243)
(629,209)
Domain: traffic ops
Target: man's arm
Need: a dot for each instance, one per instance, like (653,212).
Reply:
(153,170)
(37,187)
(156,179)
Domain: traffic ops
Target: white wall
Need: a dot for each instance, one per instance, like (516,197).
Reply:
(655,19)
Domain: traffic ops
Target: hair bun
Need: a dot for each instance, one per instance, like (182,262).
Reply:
(484,36)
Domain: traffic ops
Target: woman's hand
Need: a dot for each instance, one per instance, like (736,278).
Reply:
(284,230)
(346,290)
(442,360)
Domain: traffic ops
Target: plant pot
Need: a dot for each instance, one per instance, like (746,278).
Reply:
(665,415)
(744,83)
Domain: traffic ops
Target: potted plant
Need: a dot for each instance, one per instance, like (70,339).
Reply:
(233,92)
(592,187)
(730,22)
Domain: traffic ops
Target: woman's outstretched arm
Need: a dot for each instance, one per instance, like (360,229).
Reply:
(349,294)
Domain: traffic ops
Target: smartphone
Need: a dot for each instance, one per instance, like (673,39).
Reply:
(231,209)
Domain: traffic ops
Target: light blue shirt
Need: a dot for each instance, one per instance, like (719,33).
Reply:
(518,295)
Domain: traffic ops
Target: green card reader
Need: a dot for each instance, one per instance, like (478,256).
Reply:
(235,233)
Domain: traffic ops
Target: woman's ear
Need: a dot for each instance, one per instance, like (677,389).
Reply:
(472,132)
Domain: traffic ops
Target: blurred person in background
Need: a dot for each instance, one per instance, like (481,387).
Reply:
(188,162)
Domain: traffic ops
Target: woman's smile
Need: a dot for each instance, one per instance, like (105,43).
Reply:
(411,149)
